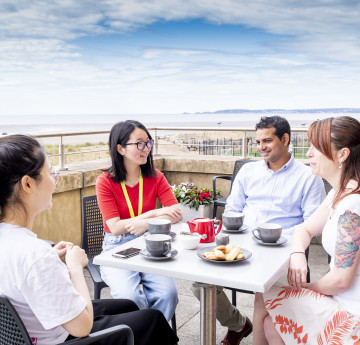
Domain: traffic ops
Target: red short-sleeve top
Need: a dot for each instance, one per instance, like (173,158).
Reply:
(112,201)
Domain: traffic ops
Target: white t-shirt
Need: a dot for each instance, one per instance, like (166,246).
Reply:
(350,299)
(38,284)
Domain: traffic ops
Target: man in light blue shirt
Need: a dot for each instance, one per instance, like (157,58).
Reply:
(279,190)
(286,196)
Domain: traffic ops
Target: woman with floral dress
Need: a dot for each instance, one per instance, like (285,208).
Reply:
(326,311)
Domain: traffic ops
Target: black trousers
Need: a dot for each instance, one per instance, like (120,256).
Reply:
(149,325)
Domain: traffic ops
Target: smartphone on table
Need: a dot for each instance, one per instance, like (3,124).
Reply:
(126,253)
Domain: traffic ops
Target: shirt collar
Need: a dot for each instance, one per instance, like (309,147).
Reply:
(285,167)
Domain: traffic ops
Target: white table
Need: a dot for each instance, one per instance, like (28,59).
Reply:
(257,274)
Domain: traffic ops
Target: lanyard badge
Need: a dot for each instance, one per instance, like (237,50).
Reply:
(141,186)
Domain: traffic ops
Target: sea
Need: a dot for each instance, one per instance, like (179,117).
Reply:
(75,123)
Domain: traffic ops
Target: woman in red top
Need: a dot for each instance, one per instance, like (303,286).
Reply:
(127,194)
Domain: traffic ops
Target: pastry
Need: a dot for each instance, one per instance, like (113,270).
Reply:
(234,252)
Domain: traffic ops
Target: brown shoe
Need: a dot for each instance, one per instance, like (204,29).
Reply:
(234,338)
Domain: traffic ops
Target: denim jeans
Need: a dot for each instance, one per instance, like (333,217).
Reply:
(157,292)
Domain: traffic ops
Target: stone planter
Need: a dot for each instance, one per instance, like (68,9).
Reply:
(190,213)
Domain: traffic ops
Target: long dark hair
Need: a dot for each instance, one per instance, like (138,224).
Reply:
(20,155)
(334,134)
(120,134)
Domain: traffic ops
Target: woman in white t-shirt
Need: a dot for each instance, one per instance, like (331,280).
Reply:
(51,297)
(326,311)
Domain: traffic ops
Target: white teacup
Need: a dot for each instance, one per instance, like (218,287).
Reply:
(268,232)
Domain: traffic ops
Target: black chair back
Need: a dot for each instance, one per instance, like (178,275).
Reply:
(92,239)
(93,228)
(327,186)
(222,201)
(238,165)
(12,329)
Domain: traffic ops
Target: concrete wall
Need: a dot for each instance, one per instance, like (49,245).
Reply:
(63,221)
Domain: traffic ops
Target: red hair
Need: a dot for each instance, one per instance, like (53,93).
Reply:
(333,134)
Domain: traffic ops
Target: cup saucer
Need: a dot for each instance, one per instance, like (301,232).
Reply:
(280,241)
(170,255)
(243,228)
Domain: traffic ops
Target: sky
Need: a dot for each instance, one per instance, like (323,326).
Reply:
(172,56)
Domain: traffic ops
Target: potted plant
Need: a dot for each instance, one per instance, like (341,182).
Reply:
(194,202)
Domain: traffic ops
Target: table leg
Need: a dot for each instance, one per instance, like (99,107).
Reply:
(207,313)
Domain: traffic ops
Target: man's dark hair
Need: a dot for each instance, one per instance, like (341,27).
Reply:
(280,124)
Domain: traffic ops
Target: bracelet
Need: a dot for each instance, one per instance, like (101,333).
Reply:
(297,253)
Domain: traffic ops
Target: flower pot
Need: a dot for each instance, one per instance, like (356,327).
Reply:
(191,213)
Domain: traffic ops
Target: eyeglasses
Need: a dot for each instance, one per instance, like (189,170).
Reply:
(55,174)
(141,144)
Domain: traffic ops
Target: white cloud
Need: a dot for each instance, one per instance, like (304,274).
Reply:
(316,62)
(155,53)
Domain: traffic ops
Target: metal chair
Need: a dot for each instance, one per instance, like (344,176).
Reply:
(222,201)
(92,239)
(13,331)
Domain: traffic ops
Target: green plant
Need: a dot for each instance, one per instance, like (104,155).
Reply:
(189,194)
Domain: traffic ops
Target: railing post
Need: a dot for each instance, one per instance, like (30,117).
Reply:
(61,155)
(244,145)
(156,142)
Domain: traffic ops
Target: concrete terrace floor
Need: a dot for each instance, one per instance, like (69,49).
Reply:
(187,311)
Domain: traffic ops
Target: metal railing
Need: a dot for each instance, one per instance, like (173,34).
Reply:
(243,145)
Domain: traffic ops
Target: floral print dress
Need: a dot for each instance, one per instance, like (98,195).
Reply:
(308,317)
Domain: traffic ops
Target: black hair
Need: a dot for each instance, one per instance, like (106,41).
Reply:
(20,155)
(280,124)
(120,134)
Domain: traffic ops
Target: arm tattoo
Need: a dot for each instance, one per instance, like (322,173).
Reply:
(348,239)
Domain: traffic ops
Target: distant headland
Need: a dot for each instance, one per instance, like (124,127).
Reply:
(283,111)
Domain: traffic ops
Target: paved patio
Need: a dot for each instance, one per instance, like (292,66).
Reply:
(187,312)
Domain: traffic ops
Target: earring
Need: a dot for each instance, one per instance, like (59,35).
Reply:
(340,165)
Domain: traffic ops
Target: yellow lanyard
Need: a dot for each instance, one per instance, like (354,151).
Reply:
(131,210)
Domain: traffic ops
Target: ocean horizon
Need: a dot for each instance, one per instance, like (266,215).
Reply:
(49,124)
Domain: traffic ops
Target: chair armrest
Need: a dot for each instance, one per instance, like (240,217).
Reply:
(91,338)
(224,177)
(94,272)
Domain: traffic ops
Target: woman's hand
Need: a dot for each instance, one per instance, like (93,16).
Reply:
(297,270)
(75,258)
(136,227)
(170,211)
(61,248)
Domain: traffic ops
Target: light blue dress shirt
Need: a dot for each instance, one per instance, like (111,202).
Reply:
(286,197)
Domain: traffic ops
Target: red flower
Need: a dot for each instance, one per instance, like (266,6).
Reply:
(201,199)
(202,195)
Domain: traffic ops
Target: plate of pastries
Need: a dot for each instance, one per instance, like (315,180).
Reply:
(224,254)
